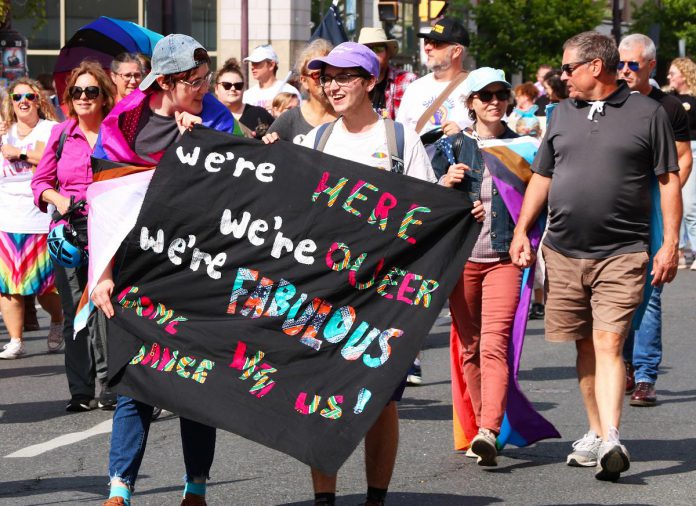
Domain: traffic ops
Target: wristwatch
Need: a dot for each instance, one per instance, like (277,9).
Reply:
(23,154)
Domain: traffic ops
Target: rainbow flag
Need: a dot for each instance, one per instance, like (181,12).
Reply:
(509,162)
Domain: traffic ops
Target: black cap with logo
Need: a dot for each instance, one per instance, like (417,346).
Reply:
(448,30)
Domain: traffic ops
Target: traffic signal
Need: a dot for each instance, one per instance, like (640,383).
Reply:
(388,11)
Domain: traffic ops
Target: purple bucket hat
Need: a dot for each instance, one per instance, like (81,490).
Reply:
(349,54)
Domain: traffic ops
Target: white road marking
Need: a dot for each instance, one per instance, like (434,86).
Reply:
(64,440)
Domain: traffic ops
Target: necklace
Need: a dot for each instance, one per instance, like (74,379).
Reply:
(21,134)
(484,137)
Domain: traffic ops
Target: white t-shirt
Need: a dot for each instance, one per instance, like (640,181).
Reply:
(18,214)
(370,148)
(423,92)
(263,97)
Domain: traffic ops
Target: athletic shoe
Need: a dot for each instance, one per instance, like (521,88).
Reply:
(630,378)
(107,398)
(681,264)
(536,312)
(644,395)
(483,445)
(193,500)
(585,451)
(693,266)
(415,377)
(114,501)
(470,453)
(613,460)
(80,403)
(55,337)
(156,412)
(12,350)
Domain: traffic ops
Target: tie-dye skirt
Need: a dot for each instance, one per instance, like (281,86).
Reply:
(25,265)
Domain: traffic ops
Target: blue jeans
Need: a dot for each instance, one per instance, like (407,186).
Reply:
(643,348)
(688,226)
(130,429)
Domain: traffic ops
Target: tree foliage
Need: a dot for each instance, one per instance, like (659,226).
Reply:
(676,20)
(32,9)
(519,35)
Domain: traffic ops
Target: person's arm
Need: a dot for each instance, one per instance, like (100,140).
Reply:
(45,178)
(667,257)
(14,153)
(101,295)
(535,198)
(684,160)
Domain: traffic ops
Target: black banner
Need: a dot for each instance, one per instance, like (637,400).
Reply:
(281,293)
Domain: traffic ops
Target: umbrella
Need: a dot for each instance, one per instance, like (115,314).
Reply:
(102,40)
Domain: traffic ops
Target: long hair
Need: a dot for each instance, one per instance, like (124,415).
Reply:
(44,109)
(687,67)
(106,86)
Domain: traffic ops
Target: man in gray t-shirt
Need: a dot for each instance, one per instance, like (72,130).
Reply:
(596,166)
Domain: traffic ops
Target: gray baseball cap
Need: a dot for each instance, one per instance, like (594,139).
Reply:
(172,54)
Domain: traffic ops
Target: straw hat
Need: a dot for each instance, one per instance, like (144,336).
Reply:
(376,36)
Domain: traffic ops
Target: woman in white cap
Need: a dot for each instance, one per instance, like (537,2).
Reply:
(170,100)
(486,300)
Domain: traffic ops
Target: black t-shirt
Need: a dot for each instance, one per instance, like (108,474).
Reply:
(689,104)
(675,112)
(379,98)
(155,133)
(542,101)
(254,116)
(291,126)
(601,170)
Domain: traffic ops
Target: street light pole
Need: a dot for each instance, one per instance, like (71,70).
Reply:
(245,39)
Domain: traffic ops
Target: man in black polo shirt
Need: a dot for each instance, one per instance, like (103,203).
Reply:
(601,152)
(643,348)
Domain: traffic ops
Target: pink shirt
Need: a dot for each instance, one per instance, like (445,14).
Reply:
(72,173)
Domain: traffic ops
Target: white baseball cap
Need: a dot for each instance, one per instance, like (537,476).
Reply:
(261,53)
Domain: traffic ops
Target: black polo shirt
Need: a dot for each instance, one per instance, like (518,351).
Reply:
(601,169)
(675,112)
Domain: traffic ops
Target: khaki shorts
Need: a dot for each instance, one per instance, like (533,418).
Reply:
(583,295)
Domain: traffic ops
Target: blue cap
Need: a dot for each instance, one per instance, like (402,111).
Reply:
(172,54)
(347,55)
(482,77)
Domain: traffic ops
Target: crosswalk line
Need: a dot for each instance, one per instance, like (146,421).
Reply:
(64,440)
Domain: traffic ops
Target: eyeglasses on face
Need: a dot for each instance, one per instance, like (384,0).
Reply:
(91,92)
(379,49)
(487,96)
(314,75)
(435,43)
(17,97)
(632,65)
(228,86)
(198,83)
(340,79)
(569,68)
(128,77)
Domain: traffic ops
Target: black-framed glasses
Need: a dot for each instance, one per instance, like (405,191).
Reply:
(198,83)
(569,68)
(127,77)
(487,96)
(91,92)
(632,65)
(340,79)
(17,97)
(228,86)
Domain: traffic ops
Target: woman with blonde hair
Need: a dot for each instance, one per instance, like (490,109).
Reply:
(25,265)
(682,80)
(297,122)
(58,181)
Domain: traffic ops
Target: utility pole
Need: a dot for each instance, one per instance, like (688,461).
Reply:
(616,15)
(245,40)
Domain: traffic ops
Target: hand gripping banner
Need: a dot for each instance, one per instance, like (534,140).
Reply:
(278,292)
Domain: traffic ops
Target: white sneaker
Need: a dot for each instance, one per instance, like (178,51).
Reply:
(12,350)
(585,451)
(54,340)
(693,266)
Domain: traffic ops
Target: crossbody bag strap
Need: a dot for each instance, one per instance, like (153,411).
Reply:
(439,101)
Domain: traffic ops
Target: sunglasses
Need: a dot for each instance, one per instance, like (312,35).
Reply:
(633,65)
(487,96)
(91,92)
(379,49)
(569,68)
(17,97)
(435,43)
(229,86)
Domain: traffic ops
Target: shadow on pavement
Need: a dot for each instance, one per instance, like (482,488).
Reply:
(547,373)
(415,499)
(39,370)
(424,409)
(32,412)
(30,487)
(675,397)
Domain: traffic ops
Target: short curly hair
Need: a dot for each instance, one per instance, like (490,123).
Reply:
(687,67)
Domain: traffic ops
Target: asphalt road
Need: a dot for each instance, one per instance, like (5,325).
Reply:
(661,440)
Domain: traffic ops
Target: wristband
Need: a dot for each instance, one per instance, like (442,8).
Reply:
(23,154)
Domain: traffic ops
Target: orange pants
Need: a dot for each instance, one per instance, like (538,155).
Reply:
(483,306)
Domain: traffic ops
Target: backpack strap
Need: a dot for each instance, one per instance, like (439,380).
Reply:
(323,135)
(61,143)
(395,144)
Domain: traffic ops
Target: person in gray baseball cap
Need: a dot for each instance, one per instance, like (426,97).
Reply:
(170,100)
